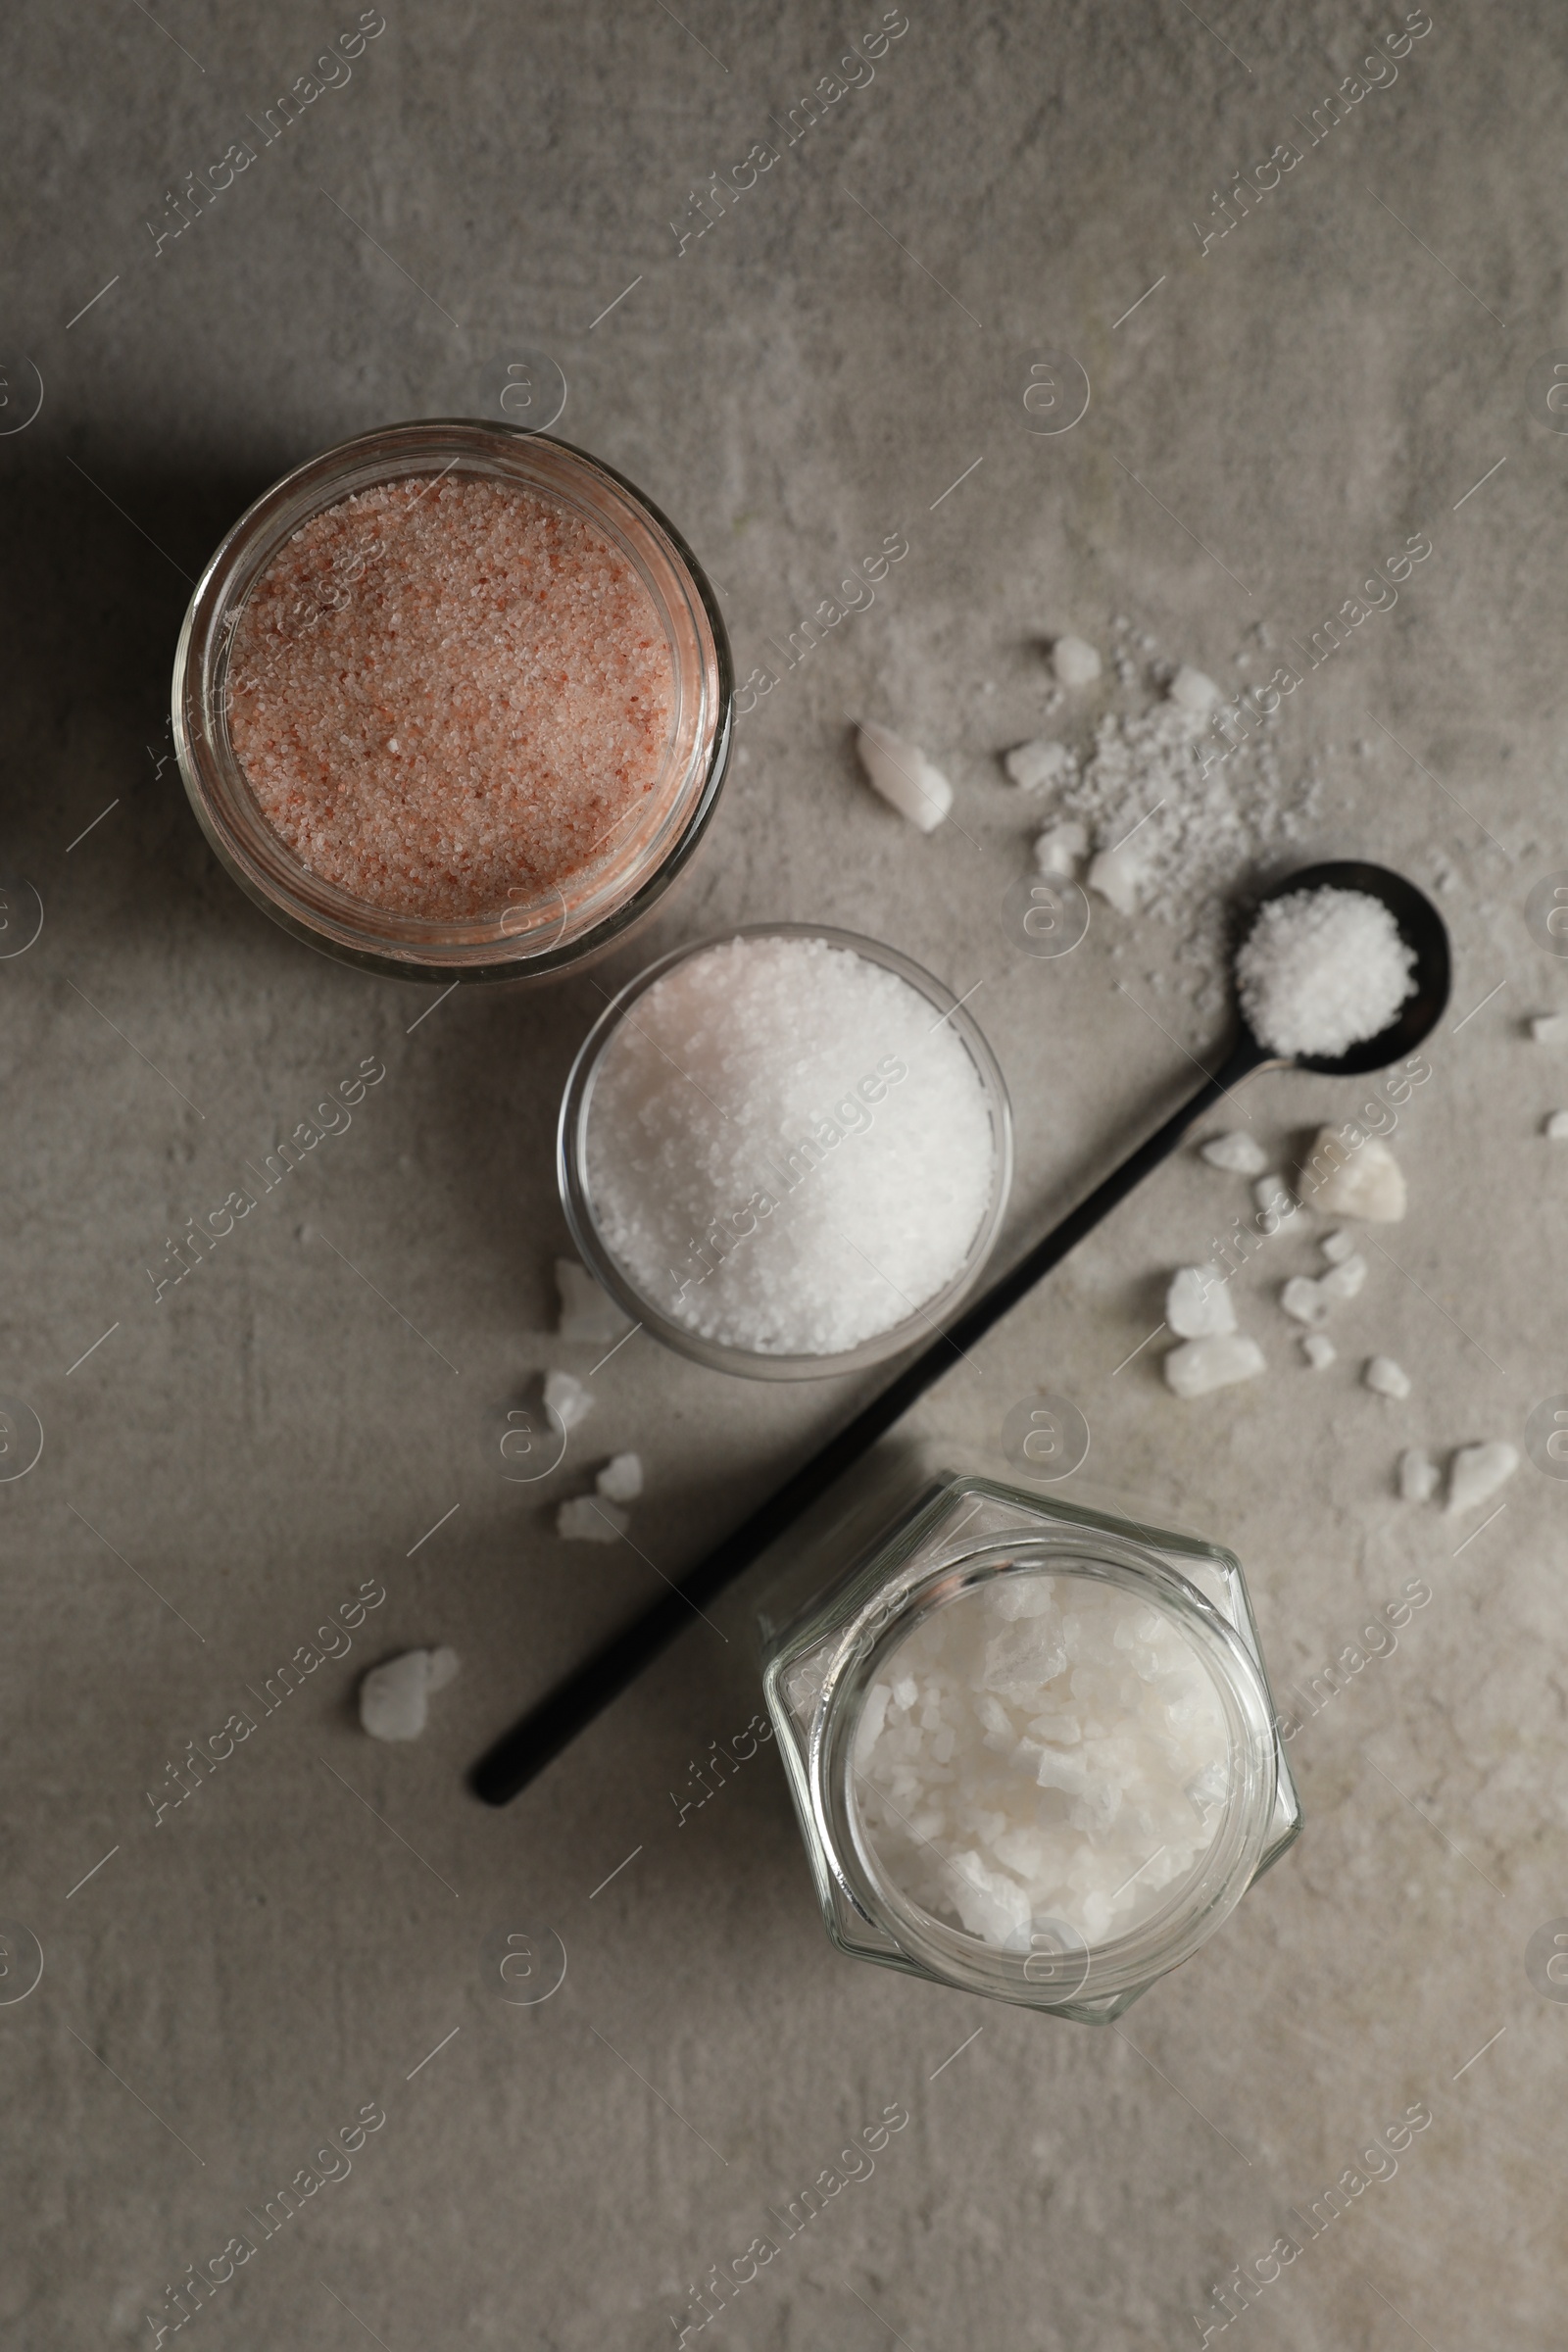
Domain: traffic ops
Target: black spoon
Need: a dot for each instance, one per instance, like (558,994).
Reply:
(524,1751)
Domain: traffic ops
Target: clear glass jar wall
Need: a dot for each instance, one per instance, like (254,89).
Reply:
(914,1582)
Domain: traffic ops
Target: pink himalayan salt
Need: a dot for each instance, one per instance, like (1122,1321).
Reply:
(448,694)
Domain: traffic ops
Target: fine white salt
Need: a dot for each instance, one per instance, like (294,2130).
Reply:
(1045,1750)
(1238,1152)
(1322,970)
(787,1150)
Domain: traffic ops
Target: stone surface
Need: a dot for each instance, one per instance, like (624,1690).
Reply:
(320,1407)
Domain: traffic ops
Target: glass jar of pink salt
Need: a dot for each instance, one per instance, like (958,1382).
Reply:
(454,703)
(1031,1744)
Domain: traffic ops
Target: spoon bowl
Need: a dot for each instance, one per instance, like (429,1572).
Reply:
(1422,931)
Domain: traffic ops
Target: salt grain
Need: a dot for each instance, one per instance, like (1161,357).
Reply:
(1041,765)
(1198,1303)
(1190,690)
(1418,1476)
(568,1400)
(1364,1180)
(1476,1472)
(1198,1366)
(1319,1349)
(904,776)
(1305,1299)
(1075,661)
(1386,1378)
(1556,1126)
(1062,848)
(787,1150)
(589,1519)
(1322,970)
(1551,1029)
(1337,1246)
(622,1478)
(1238,1152)
(394,1698)
(1345,1279)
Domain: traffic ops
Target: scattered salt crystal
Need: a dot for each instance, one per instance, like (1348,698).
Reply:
(1044,762)
(1191,690)
(1343,1280)
(1387,1378)
(622,1478)
(1364,1180)
(1551,1029)
(1061,849)
(1304,1299)
(1273,1195)
(1198,1303)
(1117,874)
(394,1698)
(1337,1246)
(566,1397)
(1418,1476)
(1476,1472)
(904,776)
(1075,661)
(1319,1349)
(1556,1126)
(1238,1152)
(1217,1362)
(786,1149)
(588,1519)
(1322,970)
(587,1312)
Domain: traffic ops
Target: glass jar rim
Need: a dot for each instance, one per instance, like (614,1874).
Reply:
(514,944)
(1202,1899)
(576,1200)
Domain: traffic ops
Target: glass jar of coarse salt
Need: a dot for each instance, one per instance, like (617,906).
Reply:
(1031,1746)
(453,702)
(786,1151)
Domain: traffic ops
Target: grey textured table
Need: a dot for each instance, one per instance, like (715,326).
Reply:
(318,1411)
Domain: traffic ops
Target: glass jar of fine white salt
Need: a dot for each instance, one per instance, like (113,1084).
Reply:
(1031,1746)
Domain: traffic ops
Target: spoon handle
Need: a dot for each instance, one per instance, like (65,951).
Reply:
(523,1752)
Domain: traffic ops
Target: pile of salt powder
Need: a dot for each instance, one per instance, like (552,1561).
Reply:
(787,1150)
(1046,1748)
(1322,970)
